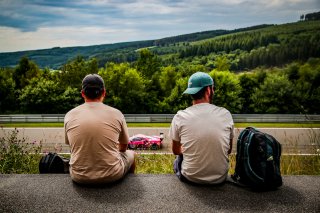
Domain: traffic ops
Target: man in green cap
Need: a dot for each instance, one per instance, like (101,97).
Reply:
(202,135)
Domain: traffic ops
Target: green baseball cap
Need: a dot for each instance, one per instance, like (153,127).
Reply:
(197,81)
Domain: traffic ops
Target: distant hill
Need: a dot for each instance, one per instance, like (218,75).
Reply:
(56,57)
(119,52)
(272,45)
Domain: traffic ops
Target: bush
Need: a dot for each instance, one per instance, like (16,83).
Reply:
(17,156)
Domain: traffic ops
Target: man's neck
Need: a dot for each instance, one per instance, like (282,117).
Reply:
(199,101)
(92,101)
(98,100)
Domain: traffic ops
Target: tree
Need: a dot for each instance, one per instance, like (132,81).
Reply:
(125,88)
(167,80)
(176,100)
(73,72)
(312,16)
(307,87)
(227,90)
(147,63)
(248,82)
(24,72)
(8,93)
(46,96)
(275,95)
(187,69)
(222,63)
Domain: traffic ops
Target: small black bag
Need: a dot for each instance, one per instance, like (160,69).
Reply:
(53,163)
(257,160)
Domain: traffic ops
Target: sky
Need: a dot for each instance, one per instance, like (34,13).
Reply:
(42,24)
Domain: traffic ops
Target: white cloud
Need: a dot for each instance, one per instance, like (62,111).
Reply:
(38,24)
(12,39)
(148,7)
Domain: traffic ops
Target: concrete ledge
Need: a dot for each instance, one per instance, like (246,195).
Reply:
(153,193)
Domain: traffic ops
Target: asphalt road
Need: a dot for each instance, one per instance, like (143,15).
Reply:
(153,193)
(293,140)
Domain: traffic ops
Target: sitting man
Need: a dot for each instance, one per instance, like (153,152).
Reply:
(98,137)
(202,135)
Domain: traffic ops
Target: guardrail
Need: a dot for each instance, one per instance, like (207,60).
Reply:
(166,118)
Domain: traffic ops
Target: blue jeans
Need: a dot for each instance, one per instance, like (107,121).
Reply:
(177,168)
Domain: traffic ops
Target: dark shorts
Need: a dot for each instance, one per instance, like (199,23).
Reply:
(177,169)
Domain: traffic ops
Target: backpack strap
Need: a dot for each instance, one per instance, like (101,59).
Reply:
(248,167)
(54,156)
(243,133)
(45,162)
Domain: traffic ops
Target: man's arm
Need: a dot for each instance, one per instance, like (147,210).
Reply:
(66,141)
(124,136)
(176,147)
(123,147)
(230,145)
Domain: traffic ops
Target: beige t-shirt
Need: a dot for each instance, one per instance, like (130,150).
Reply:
(204,131)
(94,130)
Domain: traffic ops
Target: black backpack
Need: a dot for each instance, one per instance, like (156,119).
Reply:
(53,163)
(257,160)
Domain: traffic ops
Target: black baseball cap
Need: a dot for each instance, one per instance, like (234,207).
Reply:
(93,81)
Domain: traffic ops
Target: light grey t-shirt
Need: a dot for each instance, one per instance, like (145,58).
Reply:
(204,131)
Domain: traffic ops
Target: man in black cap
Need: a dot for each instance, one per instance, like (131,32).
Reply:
(98,137)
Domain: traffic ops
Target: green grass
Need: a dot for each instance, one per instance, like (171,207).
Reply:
(154,163)
(166,125)
(31,125)
(300,165)
(148,125)
(163,164)
(290,164)
(279,125)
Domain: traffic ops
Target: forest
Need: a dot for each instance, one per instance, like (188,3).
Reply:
(265,69)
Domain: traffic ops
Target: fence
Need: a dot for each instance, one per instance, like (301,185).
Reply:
(166,118)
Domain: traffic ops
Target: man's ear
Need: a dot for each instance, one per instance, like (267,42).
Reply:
(104,94)
(208,90)
(82,94)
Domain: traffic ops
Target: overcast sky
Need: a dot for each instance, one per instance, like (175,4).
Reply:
(40,24)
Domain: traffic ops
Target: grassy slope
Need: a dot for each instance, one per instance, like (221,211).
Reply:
(281,30)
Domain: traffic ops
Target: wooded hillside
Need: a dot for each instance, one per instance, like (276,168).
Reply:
(263,69)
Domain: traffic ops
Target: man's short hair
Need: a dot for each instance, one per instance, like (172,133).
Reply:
(93,86)
(200,94)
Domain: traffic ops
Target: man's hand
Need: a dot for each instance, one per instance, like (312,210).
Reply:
(123,147)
